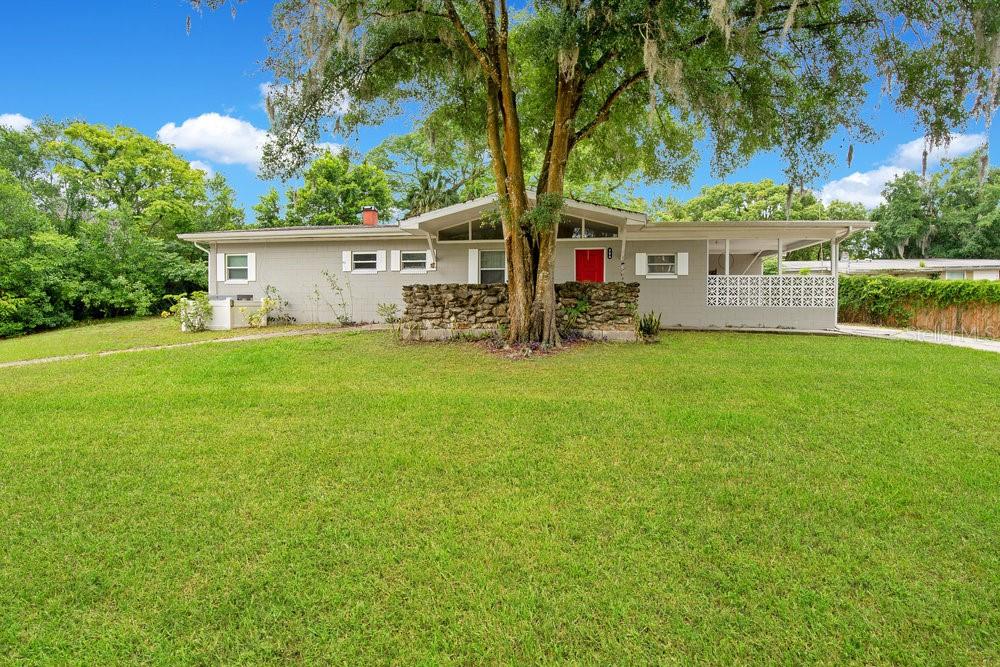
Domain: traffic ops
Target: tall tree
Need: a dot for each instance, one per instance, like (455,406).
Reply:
(630,84)
(954,212)
(433,166)
(335,191)
(904,225)
(267,210)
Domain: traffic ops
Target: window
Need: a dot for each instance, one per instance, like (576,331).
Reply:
(413,260)
(954,275)
(237,267)
(456,233)
(487,231)
(492,266)
(576,228)
(364,261)
(599,230)
(661,264)
(570,228)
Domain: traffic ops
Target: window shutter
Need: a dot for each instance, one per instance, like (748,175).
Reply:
(220,263)
(380,260)
(251,266)
(394,260)
(640,263)
(346,257)
(682,263)
(473,266)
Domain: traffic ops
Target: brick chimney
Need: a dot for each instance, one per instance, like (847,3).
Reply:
(369,216)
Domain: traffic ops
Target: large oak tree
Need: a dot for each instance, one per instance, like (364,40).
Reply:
(601,88)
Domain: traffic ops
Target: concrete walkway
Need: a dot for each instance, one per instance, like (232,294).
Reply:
(233,339)
(868,331)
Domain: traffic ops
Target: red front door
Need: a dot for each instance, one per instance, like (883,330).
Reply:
(590,265)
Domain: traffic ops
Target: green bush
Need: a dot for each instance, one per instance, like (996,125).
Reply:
(649,325)
(880,299)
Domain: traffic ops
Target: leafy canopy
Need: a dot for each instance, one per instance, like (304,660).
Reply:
(335,191)
(88,223)
(657,76)
(950,214)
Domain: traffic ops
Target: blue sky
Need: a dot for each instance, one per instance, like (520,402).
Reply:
(131,62)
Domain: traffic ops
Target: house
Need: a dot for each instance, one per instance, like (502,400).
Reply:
(695,274)
(945,269)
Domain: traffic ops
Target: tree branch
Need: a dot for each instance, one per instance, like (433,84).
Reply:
(488,67)
(605,111)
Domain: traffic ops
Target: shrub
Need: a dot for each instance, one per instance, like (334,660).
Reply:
(258,317)
(570,316)
(194,311)
(649,326)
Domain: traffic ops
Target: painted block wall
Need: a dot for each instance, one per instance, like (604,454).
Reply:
(295,269)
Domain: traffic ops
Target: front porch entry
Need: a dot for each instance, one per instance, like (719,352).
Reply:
(590,265)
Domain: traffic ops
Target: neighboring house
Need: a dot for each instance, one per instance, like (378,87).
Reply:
(697,275)
(945,269)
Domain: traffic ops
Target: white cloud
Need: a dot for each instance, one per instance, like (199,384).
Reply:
(14,121)
(911,153)
(218,138)
(202,166)
(222,139)
(865,187)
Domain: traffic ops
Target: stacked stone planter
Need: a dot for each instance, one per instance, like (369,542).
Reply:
(436,312)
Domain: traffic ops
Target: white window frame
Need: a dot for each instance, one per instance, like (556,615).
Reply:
(947,275)
(402,261)
(237,281)
(661,275)
(374,261)
(481,269)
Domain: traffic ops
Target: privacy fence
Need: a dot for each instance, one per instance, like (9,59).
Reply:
(966,307)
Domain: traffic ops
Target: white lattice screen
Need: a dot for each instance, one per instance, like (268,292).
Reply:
(772,291)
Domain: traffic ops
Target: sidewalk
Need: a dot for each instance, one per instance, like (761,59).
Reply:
(939,338)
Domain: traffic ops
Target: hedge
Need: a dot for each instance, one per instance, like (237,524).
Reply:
(881,299)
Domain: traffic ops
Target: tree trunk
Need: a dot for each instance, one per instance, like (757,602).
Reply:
(531,296)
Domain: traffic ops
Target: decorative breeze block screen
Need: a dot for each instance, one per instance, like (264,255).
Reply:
(772,291)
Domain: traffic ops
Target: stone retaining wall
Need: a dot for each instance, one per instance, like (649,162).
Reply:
(443,311)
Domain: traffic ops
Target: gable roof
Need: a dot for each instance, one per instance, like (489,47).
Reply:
(634,222)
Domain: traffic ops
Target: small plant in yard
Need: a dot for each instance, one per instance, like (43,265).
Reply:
(341,306)
(278,315)
(258,317)
(649,326)
(194,310)
(570,316)
(389,312)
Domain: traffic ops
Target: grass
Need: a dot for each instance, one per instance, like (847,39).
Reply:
(119,334)
(714,498)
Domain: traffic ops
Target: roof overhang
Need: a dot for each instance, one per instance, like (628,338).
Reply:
(438,219)
(298,234)
(790,230)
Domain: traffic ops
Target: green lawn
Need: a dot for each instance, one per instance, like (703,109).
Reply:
(714,498)
(112,335)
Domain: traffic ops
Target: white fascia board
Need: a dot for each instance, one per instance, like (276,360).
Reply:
(271,235)
(458,213)
(765,229)
(470,207)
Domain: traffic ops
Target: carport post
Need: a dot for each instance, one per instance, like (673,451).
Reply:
(780,253)
(727,257)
